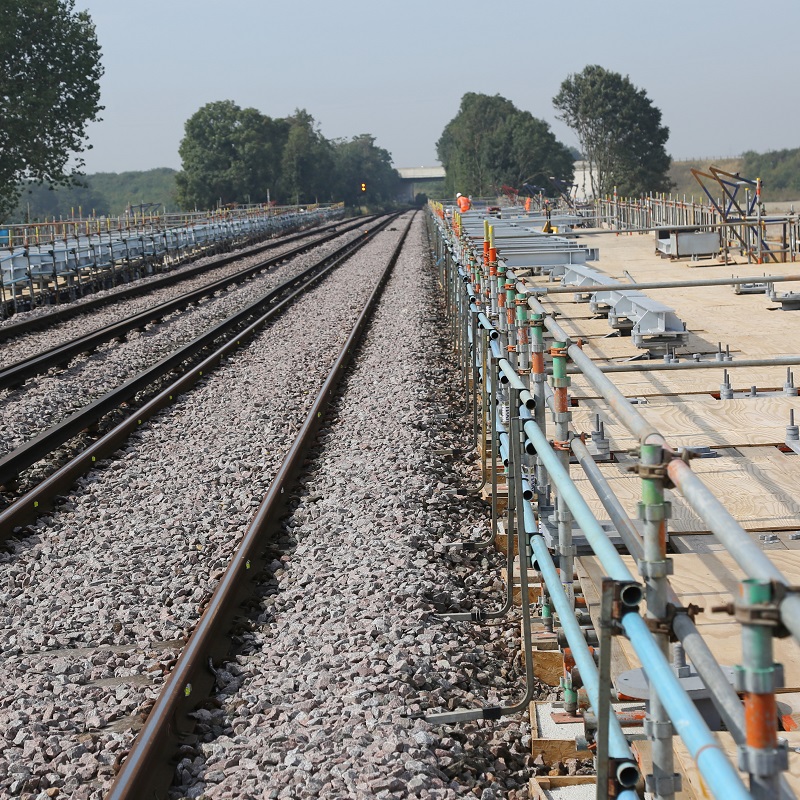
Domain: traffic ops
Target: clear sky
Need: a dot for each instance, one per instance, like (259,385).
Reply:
(724,74)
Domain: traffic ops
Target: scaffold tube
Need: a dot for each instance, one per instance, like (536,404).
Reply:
(719,774)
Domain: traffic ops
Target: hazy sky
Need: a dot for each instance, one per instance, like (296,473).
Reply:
(722,73)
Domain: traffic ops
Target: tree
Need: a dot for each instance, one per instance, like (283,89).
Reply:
(50,90)
(490,143)
(307,162)
(229,155)
(619,131)
(360,161)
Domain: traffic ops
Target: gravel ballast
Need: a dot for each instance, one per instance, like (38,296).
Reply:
(47,399)
(324,696)
(97,599)
(345,652)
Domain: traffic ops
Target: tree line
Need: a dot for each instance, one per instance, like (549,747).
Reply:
(491,143)
(239,155)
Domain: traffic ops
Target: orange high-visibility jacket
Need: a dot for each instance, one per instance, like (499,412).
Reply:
(463,203)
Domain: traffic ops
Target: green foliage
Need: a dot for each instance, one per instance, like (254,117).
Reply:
(229,155)
(490,142)
(107,193)
(619,130)
(232,155)
(778,169)
(684,183)
(307,161)
(50,89)
(123,189)
(360,161)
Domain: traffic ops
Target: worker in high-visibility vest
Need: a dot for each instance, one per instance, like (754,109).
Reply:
(463,203)
(527,203)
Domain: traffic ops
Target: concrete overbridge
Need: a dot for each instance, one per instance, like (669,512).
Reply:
(416,180)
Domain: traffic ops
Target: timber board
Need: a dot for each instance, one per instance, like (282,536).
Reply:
(698,785)
(726,423)
(759,491)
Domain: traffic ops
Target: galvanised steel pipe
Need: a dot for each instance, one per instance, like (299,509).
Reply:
(594,532)
(660,366)
(653,567)
(619,517)
(620,404)
(718,773)
(747,554)
(723,695)
(601,287)
(618,744)
(714,766)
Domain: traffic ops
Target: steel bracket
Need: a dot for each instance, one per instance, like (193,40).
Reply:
(758,681)
(663,786)
(655,569)
(619,608)
(658,730)
(767,614)
(664,624)
(653,472)
(656,512)
(614,787)
(764,762)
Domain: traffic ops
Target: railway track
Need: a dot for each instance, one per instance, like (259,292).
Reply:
(339,623)
(81,398)
(44,317)
(35,332)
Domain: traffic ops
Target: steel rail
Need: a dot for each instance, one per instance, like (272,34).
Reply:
(15,374)
(39,499)
(147,769)
(62,313)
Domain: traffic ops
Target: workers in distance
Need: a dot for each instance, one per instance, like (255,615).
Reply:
(463,203)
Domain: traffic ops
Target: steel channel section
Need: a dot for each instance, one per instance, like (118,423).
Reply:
(147,768)
(36,501)
(15,374)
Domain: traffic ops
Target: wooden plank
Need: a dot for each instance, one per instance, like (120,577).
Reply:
(552,750)
(759,491)
(699,786)
(534,587)
(728,423)
(548,666)
(642,749)
(590,577)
